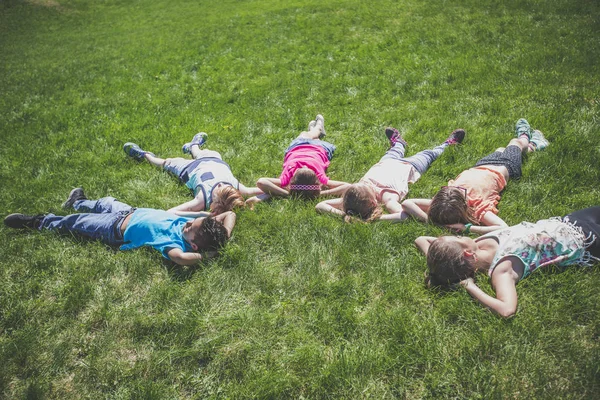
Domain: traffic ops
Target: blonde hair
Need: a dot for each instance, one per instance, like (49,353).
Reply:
(449,206)
(227,199)
(305,177)
(447,265)
(359,201)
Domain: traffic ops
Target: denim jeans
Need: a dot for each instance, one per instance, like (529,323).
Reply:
(421,161)
(329,148)
(102,221)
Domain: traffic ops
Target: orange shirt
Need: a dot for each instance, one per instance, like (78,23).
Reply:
(483,189)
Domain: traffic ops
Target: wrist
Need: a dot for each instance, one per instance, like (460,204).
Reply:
(468,228)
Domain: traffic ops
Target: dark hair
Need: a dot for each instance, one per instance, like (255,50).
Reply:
(447,265)
(227,199)
(449,206)
(211,235)
(308,177)
(359,201)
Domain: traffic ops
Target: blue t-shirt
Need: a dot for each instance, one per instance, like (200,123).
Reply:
(156,228)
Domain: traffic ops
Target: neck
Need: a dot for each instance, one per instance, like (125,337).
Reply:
(485,253)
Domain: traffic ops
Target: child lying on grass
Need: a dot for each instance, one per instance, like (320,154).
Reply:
(510,254)
(207,175)
(469,202)
(386,182)
(118,224)
(304,168)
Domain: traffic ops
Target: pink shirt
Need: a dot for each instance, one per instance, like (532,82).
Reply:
(306,155)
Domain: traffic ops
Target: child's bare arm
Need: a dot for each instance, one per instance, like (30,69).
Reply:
(335,188)
(256,199)
(423,243)
(197,204)
(228,219)
(191,214)
(249,191)
(504,281)
(333,206)
(417,208)
(180,257)
(492,222)
(272,187)
(395,209)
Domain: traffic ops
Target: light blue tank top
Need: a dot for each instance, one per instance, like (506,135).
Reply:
(208,174)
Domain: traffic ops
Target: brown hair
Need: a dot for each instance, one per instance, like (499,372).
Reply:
(307,177)
(227,199)
(447,265)
(449,206)
(360,202)
(211,235)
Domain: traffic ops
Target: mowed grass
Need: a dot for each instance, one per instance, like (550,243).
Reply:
(299,305)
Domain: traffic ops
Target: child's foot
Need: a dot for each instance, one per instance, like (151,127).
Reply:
(311,125)
(320,122)
(522,128)
(394,136)
(456,137)
(135,151)
(538,141)
(76,194)
(199,139)
(21,221)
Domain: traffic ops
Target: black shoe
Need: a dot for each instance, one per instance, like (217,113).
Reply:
(456,137)
(21,221)
(76,194)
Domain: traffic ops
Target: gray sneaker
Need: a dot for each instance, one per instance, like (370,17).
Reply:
(198,139)
(76,194)
(135,151)
(320,120)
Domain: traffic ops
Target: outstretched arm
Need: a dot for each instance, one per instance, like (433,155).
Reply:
(249,191)
(490,222)
(272,187)
(197,204)
(228,219)
(191,214)
(335,188)
(332,206)
(504,281)
(423,243)
(417,208)
(393,206)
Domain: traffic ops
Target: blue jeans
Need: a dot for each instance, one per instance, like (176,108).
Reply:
(421,161)
(102,221)
(329,148)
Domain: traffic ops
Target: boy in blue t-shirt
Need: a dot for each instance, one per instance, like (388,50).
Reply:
(118,224)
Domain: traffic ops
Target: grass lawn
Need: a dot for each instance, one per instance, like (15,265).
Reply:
(299,305)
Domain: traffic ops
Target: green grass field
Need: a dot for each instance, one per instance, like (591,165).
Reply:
(299,305)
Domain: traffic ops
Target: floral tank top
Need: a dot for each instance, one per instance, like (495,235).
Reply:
(547,242)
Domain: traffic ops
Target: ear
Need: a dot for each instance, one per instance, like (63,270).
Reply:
(193,246)
(469,255)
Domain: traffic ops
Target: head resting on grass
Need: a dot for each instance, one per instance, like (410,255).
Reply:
(226,198)
(360,201)
(449,206)
(205,234)
(305,184)
(450,260)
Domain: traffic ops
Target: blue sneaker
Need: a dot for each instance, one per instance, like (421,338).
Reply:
(135,151)
(538,140)
(523,128)
(394,136)
(198,139)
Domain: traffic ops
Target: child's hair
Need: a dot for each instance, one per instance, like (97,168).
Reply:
(359,201)
(211,235)
(449,206)
(305,184)
(447,265)
(228,199)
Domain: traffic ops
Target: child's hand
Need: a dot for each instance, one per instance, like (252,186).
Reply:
(251,202)
(465,282)
(457,228)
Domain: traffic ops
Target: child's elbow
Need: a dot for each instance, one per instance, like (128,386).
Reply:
(507,312)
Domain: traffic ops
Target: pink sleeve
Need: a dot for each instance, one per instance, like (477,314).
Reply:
(323,179)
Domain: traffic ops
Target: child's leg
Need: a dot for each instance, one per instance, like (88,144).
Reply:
(156,161)
(589,220)
(511,157)
(199,153)
(101,206)
(423,159)
(316,129)
(94,226)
